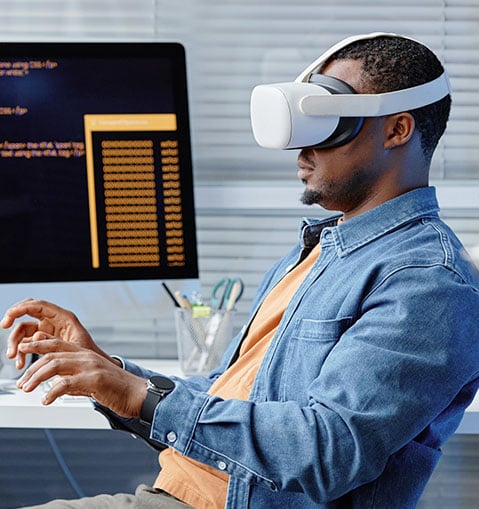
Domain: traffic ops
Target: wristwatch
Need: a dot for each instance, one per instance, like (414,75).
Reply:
(157,388)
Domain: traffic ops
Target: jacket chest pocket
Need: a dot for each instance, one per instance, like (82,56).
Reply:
(310,343)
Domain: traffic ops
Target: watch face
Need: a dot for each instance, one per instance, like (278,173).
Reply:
(162,383)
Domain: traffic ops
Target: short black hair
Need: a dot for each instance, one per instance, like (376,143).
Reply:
(394,63)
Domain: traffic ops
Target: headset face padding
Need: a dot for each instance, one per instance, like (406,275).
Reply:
(348,127)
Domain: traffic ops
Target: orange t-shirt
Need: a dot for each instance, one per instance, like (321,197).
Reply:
(194,483)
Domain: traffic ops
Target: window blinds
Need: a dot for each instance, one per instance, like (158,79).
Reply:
(234,44)
(51,20)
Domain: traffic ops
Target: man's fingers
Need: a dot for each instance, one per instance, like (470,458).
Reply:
(21,352)
(17,337)
(52,320)
(39,309)
(64,376)
(20,360)
(63,385)
(16,311)
(41,370)
(47,367)
(41,344)
(51,316)
(21,331)
(38,336)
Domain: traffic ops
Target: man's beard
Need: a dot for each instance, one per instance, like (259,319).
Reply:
(339,196)
(311,197)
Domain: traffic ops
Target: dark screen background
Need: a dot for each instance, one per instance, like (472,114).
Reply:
(44,222)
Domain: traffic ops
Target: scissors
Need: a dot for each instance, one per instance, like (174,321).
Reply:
(226,292)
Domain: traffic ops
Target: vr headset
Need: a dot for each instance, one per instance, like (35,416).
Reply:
(318,111)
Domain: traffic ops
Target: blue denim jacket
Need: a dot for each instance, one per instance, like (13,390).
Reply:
(373,364)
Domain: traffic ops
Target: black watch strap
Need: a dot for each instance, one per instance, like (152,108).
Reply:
(157,388)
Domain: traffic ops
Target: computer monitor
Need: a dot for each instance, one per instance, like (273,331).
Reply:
(96,186)
(95,163)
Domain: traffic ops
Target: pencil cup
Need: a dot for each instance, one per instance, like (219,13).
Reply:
(202,340)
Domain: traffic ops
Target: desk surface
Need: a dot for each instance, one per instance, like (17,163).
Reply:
(21,410)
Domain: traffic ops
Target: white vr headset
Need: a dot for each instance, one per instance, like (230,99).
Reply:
(320,111)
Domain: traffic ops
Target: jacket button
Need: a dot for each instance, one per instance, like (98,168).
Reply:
(221,465)
(171,437)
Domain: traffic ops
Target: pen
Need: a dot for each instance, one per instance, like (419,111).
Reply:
(235,291)
(173,298)
(183,301)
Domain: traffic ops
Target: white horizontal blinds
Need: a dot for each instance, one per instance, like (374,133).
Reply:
(76,19)
(233,45)
(462,59)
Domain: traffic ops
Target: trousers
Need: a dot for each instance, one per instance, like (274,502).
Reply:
(145,497)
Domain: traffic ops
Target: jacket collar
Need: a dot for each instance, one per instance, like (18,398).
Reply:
(366,227)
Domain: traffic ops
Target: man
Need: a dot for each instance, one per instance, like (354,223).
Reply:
(361,353)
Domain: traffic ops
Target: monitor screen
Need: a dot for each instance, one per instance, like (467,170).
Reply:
(95,163)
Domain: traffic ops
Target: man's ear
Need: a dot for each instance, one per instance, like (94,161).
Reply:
(399,129)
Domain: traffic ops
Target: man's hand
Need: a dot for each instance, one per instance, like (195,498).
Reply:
(53,321)
(80,371)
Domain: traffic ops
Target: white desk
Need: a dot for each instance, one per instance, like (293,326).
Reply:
(21,410)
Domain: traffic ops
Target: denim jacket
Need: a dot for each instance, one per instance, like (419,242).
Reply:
(370,371)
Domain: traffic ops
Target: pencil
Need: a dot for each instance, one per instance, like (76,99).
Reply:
(173,298)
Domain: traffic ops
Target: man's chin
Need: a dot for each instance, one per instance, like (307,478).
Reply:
(310,197)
